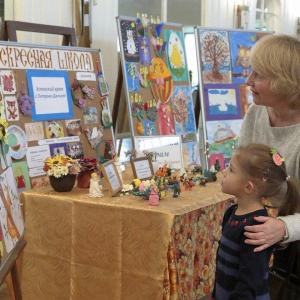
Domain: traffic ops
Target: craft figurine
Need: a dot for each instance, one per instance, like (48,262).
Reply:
(154,194)
(25,102)
(118,166)
(95,188)
(176,189)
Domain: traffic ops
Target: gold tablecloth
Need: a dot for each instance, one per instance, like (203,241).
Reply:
(120,247)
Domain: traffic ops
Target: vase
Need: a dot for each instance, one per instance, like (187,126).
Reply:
(83,179)
(63,184)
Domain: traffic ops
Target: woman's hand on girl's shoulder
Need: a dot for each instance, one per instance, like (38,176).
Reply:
(266,234)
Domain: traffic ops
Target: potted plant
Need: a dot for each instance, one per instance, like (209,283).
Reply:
(88,166)
(62,171)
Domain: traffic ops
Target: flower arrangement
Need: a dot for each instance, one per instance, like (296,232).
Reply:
(61,165)
(3,130)
(88,164)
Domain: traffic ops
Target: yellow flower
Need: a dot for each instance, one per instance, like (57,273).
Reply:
(60,165)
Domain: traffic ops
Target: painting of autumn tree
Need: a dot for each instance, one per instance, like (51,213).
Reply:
(215,56)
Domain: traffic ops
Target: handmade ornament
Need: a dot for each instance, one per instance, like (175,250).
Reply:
(108,152)
(25,102)
(11,109)
(84,90)
(161,80)
(151,109)
(106,116)
(94,135)
(137,107)
(102,84)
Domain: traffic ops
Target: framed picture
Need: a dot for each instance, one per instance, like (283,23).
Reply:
(222,102)
(142,168)
(111,176)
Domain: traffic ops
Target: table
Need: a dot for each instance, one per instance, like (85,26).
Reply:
(120,247)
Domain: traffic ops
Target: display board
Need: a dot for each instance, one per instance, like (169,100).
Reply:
(223,57)
(55,100)
(157,83)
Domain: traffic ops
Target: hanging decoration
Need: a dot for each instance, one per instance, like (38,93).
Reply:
(102,84)
(85,90)
(25,101)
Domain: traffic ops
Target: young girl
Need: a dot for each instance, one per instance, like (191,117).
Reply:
(255,171)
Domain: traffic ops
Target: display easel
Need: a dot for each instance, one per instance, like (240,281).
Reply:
(9,31)
(118,109)
(10,266)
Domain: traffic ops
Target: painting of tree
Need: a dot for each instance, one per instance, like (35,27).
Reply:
(180,110)
(215,56)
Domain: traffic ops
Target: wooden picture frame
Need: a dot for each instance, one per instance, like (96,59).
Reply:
(142,168)
(111,176)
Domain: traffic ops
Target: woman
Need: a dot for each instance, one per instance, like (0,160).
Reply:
(274,119)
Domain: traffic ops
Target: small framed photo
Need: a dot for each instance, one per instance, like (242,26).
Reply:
(111,176)
(142,168)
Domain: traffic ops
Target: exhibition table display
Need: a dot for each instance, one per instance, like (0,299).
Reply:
(121,247)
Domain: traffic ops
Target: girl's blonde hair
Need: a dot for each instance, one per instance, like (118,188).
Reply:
(278,56)
(256,160)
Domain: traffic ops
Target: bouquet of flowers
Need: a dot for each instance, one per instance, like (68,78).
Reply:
(88,164)
(61,165)
(3,130)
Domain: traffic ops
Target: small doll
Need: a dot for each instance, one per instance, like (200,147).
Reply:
(25,102)
(95,188)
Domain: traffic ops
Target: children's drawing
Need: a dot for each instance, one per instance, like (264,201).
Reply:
(165,120)
(183,112)
(215,56)
(190,153)
(240,45)
(144,50)
(21,175)
(132,77)
(176,55)
(129,41)
(8,82)
(34,131)
(58,148)
(73,127)
(75,150)
(223,136)
(11,108)
(222,102)
(54,129)
(90,115)
(11,217)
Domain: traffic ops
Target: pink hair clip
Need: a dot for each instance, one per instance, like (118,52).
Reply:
(276,157)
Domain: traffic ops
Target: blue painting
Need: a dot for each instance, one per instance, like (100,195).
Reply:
(222,102)
(241,43)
